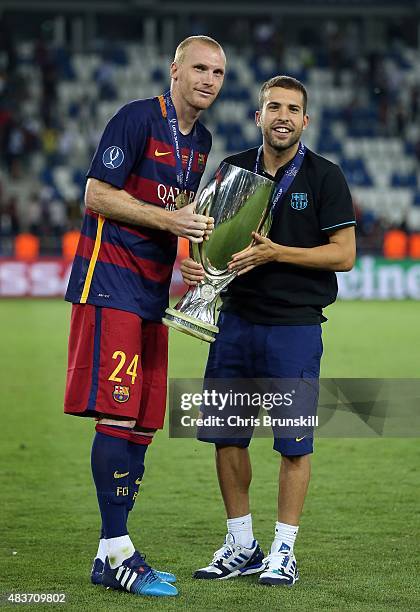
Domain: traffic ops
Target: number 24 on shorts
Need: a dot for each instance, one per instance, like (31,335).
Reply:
(130,371)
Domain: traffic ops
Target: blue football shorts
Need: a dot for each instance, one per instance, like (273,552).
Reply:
(252,351)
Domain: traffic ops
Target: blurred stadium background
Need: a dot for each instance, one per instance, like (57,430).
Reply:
(65,67)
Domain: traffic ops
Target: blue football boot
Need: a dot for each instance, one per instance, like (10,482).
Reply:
(137,577)
(98,570)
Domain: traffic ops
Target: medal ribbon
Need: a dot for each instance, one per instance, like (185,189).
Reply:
(287,179)
(181,176)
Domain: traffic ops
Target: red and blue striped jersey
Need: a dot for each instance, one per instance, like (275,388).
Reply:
(124,266)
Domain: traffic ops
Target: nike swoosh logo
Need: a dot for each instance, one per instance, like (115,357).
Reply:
(138,481)
(161,153)
(300,439)
(116,475)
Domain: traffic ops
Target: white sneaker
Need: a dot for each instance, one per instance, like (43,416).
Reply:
(233,560)
(280,568)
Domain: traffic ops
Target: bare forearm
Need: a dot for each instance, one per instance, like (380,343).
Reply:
(326,257)
(338,255)
(120,206)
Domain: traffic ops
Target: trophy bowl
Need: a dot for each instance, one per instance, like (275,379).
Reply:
(239,201)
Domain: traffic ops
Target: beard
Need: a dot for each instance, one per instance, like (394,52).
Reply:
(279,145)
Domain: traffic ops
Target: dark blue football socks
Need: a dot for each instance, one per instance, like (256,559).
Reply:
(110,469)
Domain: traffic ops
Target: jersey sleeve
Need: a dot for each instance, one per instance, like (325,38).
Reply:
(336,209)
(122,143)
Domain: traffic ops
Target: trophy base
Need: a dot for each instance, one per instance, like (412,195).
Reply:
(190,325)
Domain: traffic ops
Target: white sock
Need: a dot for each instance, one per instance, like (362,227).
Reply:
(241,529)
(284,538)
(119,549)
(102,550)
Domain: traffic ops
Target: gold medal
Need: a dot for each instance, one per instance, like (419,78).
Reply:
(181,200)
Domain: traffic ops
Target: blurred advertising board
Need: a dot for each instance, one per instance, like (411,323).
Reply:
(373,278)
(48,277)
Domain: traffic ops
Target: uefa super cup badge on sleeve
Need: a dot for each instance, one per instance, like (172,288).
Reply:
(239,201)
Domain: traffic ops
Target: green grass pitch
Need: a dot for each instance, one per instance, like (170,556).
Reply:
(358,548)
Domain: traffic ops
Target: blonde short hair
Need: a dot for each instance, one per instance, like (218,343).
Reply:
(183,46)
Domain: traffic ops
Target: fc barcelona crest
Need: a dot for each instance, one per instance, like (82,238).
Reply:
(121,394)
(299,201)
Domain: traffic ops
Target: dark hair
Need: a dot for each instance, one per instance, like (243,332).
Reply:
(287,82)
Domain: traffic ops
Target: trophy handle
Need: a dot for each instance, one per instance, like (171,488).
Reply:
(204,200)
(265,225)
(195,252)
(205,197)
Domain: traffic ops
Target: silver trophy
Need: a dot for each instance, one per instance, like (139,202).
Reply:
(239,201)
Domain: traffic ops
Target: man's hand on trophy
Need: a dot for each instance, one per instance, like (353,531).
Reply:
(185,223)
(209,228)
(262,251)
(192,272)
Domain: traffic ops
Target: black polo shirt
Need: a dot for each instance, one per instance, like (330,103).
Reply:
(317,203)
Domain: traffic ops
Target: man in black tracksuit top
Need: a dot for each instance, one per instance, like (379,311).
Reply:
(271,315)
